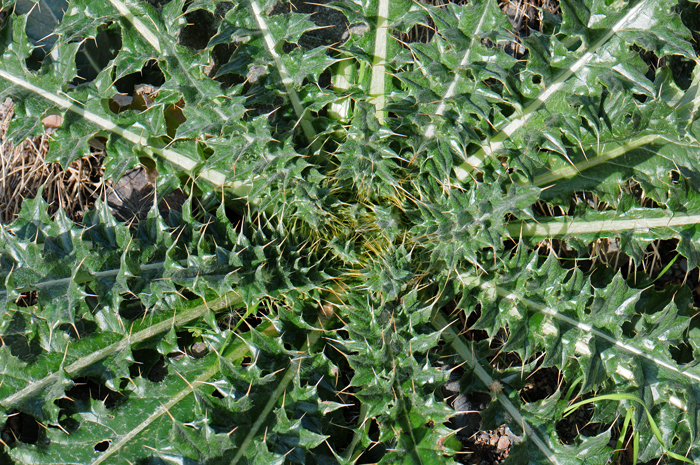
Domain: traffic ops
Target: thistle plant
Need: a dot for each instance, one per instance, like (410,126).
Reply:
(352,205)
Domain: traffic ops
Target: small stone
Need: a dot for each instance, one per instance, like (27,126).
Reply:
(453,386)
(122,100)
(355,29)
(199,350)
(613,246)
(52,121)
(327,310)
(132,196)
(503,443)
(147,93)
(512,437)
(255,72)
(176,355)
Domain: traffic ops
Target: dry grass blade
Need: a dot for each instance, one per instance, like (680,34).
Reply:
(23,171)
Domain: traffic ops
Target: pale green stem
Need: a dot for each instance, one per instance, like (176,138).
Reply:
(214,177)
(513,297)
(287,80)
(467,354)
(440,111)
(160,411)
(163,409)
(75,368)
(377,89)
(83,278)
(496,143)
(138,24)
(570,171)
(342,79)
(567,226)
(279,391)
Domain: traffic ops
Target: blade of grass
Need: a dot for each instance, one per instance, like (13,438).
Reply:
(629,418)
(630,397)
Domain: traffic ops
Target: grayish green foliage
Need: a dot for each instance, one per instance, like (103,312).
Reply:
(315,254)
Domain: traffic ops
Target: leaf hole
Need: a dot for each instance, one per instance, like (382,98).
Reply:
(652,61)
(233,319)
(682,353)
(150,74)
(468,322)
(102,446)
(373,432)
(41,23)
(79,329)
(682,68)
(468,405)
(221,54)
(628,329)
(95,53)
(131,308)
(201,27)
(216,393)
(27,299)
(230,320)
(502,360)
(21,427)
(149,364)
(84,389)
(421,32)
(542,384)
(576,423)
(185,341)
(19,337)
(506,110)
(156,3)
(574,44)
(376,451)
